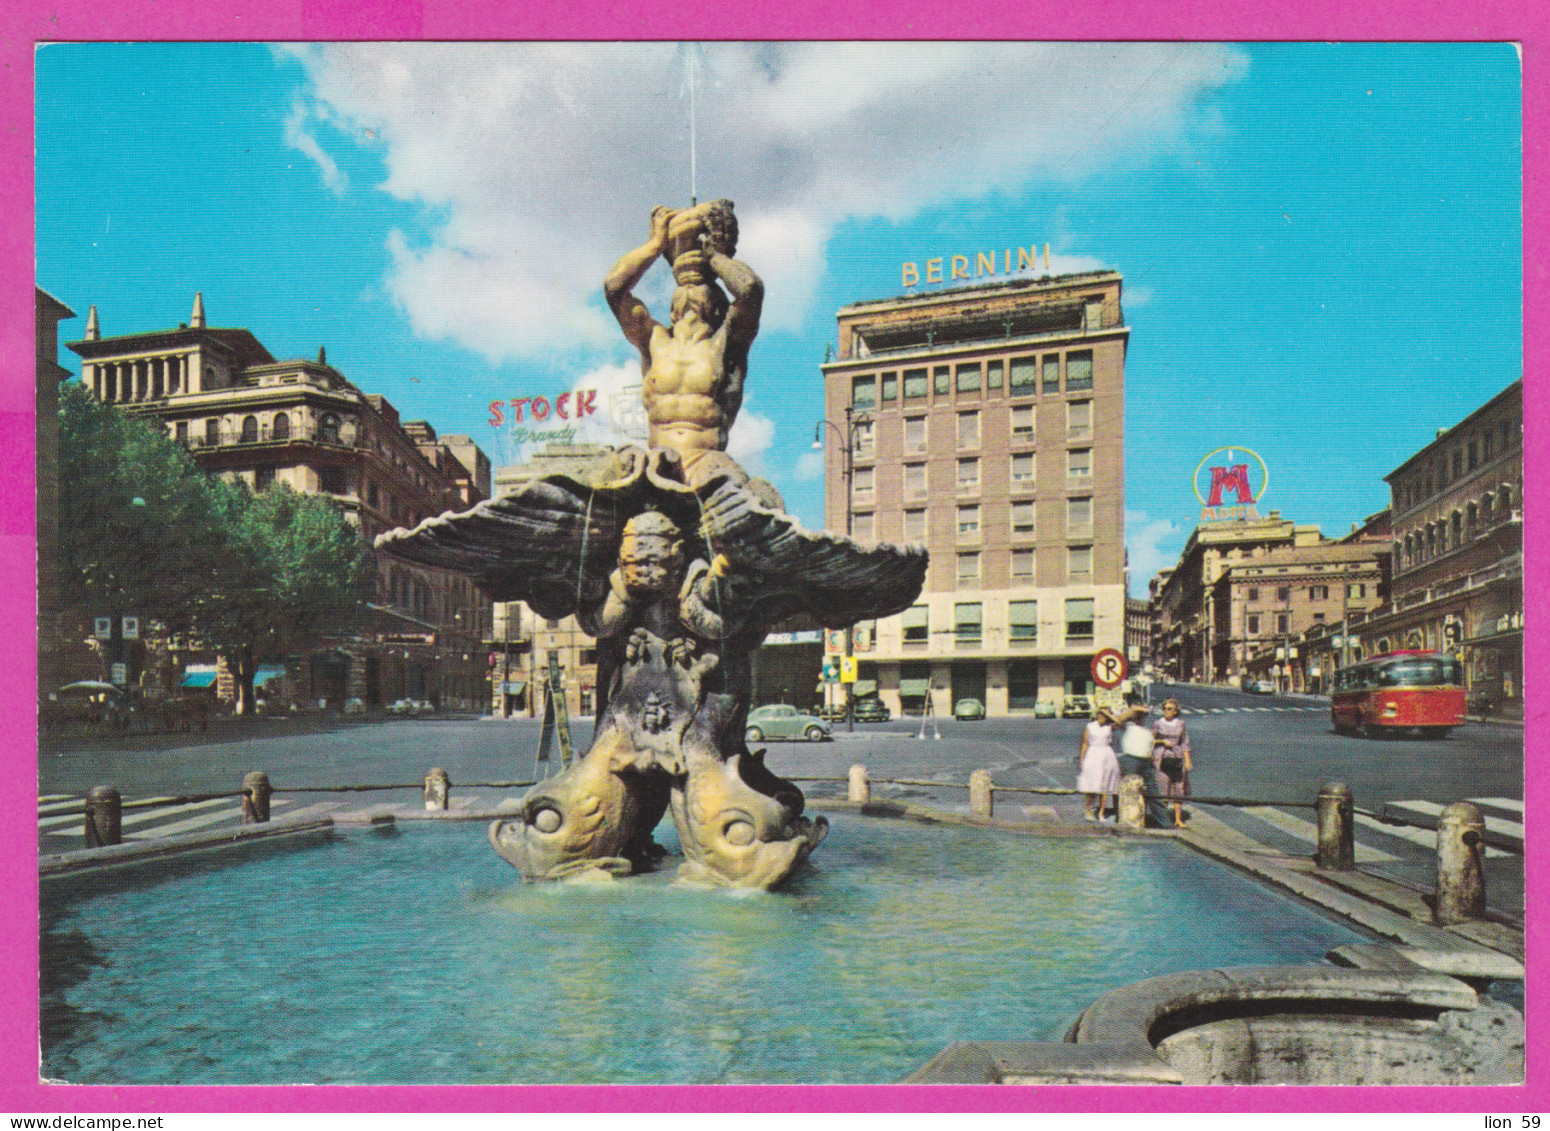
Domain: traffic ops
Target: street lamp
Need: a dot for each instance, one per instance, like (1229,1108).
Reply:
(847,436)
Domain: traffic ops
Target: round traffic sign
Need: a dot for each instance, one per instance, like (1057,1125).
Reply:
(1109,668)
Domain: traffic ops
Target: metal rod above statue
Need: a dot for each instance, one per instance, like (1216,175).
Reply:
(679,563)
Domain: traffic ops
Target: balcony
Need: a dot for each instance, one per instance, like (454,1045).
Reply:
(265,436)
(1509,570)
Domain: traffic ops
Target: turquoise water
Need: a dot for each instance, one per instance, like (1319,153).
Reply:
(420,957)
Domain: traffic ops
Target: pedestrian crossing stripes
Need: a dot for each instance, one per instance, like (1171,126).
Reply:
(1306,832)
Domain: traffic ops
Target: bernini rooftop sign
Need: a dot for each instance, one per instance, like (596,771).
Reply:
(957,268)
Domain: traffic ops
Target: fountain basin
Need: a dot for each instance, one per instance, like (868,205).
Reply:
(415,956)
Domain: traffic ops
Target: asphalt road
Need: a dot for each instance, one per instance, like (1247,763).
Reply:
(1272,749)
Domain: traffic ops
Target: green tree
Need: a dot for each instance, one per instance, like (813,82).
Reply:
(142,531)
(304,574)
(146,532)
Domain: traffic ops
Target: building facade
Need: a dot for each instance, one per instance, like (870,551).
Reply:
(244,415)
(48,312)
(1458,552)
(521,643)
(1268,606)
(1190,640)
(987,423)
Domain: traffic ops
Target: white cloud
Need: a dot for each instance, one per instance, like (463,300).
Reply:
(536,165)
(299,137)
(1151,544)
(751,436)
(809,468)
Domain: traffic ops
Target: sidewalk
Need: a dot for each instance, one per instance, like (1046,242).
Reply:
(223,728)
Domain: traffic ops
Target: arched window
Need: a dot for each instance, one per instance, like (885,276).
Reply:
(1458,530)
(1431,540)
(1409,558)
(1486,517)
(282,426)
(328,428)
(212,433)
(250,429)
(1504,503)
(1471,520)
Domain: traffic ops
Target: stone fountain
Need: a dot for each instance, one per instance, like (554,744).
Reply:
(680,564)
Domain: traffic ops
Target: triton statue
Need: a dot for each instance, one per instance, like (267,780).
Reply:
(679,564)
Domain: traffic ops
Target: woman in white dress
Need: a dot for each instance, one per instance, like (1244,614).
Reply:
(1099,776)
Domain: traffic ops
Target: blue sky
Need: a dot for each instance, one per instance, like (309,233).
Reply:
(1320,243)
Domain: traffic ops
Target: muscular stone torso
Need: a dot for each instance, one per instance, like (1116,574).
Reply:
(685,393)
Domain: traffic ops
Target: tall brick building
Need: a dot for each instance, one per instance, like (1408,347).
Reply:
(988,424)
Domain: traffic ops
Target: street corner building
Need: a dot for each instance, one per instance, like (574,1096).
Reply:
(243,414)
(1457,526)
(986,422)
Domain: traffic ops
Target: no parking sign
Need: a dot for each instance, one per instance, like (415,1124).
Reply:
(1110,668)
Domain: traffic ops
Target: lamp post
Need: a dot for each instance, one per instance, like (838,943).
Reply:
(847,437)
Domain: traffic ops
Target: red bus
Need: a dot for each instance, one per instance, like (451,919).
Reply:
(1399,691)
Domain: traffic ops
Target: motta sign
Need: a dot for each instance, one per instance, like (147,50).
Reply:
(1229,483)
(567,406)
(956,268)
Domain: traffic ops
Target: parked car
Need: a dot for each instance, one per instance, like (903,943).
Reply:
(872,710)
(868,710)
(401,707)
(968,709)
(1045,709)
(779,720)
(1260,687)
(1077,707)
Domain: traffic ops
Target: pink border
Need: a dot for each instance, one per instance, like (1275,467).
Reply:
(25,22)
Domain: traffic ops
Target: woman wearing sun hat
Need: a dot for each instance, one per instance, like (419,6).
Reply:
(1099,776)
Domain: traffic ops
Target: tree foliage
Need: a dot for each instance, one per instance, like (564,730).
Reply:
(144,531)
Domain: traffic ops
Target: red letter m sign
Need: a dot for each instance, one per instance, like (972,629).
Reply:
(1234,479)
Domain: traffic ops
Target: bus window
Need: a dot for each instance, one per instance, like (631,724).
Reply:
(1407,673)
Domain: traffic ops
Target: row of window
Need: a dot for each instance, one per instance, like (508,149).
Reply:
(1283,623)
(917,527)
(1079,427)
(1022,623)
(1079,566)
(1452,465)
(1023,376)
(1315,592)
(1461,527)
(1021,472)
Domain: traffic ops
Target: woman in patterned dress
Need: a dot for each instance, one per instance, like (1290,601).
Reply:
(1170,757)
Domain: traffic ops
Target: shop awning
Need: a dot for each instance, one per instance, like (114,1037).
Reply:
(198,679)
(914,688)
(265,674)
(514,687)
(863,688)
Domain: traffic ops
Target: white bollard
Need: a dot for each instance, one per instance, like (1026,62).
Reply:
(860,785)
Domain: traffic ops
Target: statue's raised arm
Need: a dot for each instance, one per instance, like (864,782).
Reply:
(619,287)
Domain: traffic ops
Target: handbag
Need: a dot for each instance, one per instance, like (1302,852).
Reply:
(1172,766)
